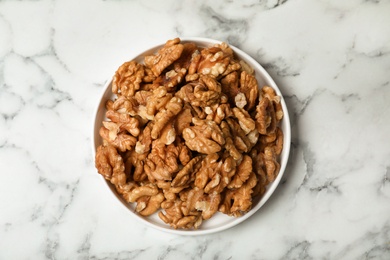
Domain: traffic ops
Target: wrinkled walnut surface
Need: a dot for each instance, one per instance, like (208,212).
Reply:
(190,134)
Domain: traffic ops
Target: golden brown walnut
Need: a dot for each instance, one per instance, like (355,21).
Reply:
(110,164)
(244,119)
(242,197)
(124,122)
(171,51)
(269,111)
(229,143)
(122,141)
(209,164)
(174,216)
(204,137)
(230,86)
(125,105)
(148,205)
(162,161)
(193,196)
(184,176)
(168,133)
(271,164)
(218,112)
(249,87)
(134,165)
(183,119)
(240,140)
(265,117)
(190,50)
(170,79)
(221,178)
(274,140)
(138,192)
(243,171)
(208,205)
(172,108)
(214,61)
(208,90)
(126,189)
(128,78)
(270,94)
(259,169)
(145,140)
(155,101)
(238,201)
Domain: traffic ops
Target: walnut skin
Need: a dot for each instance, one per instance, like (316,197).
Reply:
(189,133)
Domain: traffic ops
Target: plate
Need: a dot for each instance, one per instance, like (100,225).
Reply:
(219,221)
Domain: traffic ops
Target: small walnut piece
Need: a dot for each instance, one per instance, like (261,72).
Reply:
(110,164)
(165,56)
(205,137)
(127,78)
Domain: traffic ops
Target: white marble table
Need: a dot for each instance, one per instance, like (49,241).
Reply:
(331,60)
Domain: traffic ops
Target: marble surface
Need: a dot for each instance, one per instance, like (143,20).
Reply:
(331,60)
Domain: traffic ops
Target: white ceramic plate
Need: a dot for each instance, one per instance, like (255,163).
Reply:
(219,221)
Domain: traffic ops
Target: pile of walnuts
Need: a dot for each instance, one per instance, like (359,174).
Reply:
(189,134)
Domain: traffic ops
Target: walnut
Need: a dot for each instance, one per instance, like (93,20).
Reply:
(238,201)
(214,175)
(218,112)
(248,86)
(161,162)
(268,112)
(122,141)
(124,122)
(174,216)
(168,133)
(184,175)
(244,169)
(240,140)
(134,165)
(240,100)
(214,61)
(171,79)
(208,204)
(190,50)
(204,137)
(271,164)
(183,119)
(171,51)
(244,119)
(148,205)
(145,190)
(145,140)
(229,143)
(245,67)
(230,86)
(172,108)
(209,164)
(124,105)
(221,178)
(110,164)
(126,189)
(127,79)
(156,101)
(270,94)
